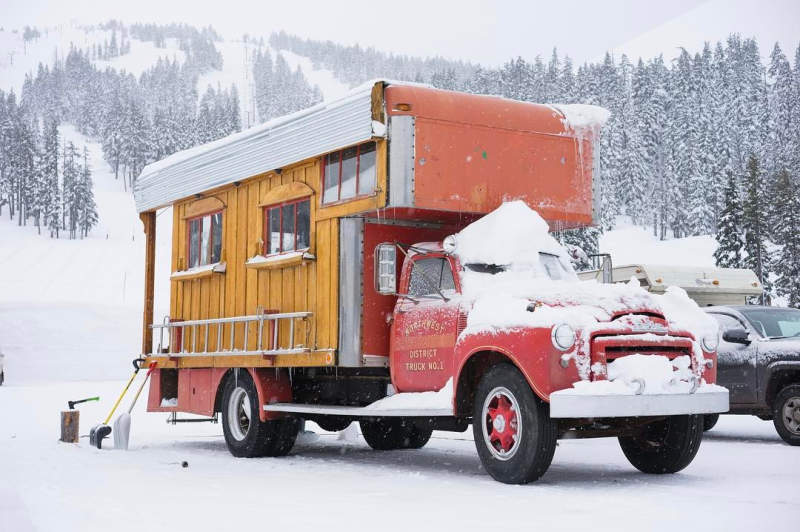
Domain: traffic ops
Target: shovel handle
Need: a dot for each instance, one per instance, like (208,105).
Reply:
(141,386)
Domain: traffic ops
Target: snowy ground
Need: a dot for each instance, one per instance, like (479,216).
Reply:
(631,244)
(743,478)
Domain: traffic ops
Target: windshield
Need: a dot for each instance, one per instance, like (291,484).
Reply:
(550,263)
(774,322)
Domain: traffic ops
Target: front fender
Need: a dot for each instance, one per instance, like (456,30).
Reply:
(530,350)
(769,372)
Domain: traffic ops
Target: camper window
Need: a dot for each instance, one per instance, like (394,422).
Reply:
(349,173)
(205,239)
(287,227)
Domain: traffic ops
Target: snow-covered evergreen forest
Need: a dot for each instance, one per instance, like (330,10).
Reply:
(683,130)
(697,144)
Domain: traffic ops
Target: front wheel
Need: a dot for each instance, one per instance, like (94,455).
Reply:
(245,434)
(665,446)
(786,414)
(513,432)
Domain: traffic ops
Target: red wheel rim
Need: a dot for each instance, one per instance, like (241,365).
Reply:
(501,423)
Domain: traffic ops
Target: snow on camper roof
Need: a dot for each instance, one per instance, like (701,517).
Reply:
(284,140)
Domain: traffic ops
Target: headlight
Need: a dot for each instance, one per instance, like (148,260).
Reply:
(563,337)
(710,342)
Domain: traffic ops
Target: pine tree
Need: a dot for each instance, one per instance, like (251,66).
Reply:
(86,206)
(787,265)
(756,257)
(729,230)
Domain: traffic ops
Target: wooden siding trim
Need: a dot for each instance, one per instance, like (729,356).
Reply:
(313,359)
(202,207)
(283,193)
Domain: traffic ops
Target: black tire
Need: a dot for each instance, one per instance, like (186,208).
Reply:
(332,423)
(664,446)
(709,420)
(786,414)
(2,377)
(529,454)
(386,434)
(248,436)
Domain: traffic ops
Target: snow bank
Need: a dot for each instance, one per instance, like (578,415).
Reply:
(439,400)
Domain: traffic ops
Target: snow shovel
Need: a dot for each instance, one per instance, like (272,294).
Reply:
(122,425)
(101,430)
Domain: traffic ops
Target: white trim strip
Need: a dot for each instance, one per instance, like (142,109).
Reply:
(356,411)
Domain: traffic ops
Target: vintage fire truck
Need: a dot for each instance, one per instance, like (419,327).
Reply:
(312,279)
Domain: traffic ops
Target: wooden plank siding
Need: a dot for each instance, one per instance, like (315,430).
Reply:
(307,286)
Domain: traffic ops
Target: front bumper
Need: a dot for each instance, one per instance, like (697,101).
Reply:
(564,404)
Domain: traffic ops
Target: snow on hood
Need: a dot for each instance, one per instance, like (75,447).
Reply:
(515,236)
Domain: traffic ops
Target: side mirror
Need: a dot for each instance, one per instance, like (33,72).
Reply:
(736,336)
(386,269)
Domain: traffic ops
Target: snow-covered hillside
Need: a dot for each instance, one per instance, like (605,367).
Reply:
(19,58)
(632,244)
(64,298)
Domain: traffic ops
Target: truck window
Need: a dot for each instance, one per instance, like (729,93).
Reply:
(552,265)
(349,173)
(727,322)
(205,239)
(287,227)
(429,274)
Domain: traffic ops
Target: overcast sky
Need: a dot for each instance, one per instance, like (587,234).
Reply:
(489,32)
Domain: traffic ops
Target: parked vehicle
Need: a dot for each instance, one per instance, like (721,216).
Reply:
(2,369)
(316,276)
(759,363)
(706,285)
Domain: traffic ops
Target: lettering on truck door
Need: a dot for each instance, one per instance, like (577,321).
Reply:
(425,326)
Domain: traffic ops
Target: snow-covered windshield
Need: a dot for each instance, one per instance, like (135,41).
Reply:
(774,322)
(550,263)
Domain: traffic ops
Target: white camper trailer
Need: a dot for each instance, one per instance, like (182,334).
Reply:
(706,285)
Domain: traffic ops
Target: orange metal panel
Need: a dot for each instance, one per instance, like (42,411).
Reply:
(473,152)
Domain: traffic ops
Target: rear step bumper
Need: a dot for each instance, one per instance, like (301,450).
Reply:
(564,404)
(356,411)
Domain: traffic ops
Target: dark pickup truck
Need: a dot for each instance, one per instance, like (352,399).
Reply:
(759,363)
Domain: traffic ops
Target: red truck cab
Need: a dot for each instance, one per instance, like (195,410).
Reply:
(516,382)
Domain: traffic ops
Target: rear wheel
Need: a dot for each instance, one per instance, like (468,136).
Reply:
(513,432)
(385,434)
(245,434)
(709,420)
(665,446)
(786,414)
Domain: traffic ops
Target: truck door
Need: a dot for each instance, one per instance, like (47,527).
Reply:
(736,363)
(425,325)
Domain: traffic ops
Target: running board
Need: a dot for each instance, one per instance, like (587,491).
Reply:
(356,411)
